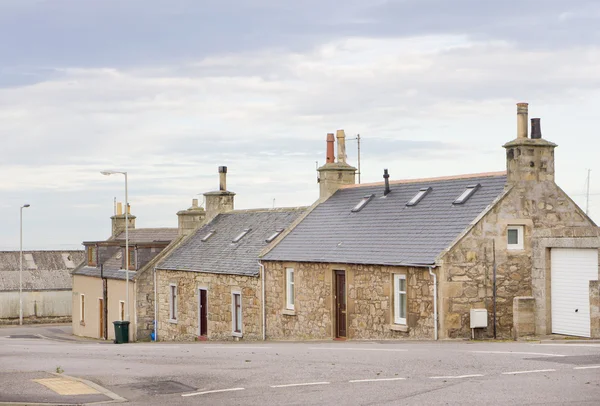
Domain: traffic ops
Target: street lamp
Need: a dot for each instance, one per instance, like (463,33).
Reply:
(21,265)
(108,173)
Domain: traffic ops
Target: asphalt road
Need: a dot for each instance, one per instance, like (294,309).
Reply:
(309,373)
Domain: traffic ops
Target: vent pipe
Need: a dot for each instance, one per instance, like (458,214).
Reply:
(536,129)
(386,178)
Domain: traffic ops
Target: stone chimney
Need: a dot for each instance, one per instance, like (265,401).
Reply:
(529,159)
(333,174)
(191,219)
(220,201)
(118,220)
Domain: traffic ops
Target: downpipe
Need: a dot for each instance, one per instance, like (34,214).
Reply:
(264,311)
(155,310)
(435,312)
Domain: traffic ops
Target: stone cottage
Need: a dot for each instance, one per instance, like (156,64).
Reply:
(99,283)
(509,254)
(209,287)
(46,285)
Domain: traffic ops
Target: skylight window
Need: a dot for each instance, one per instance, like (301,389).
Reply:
(467,194)
(274,235)
(207,236)
(362,203)
(241,235)
(419,196)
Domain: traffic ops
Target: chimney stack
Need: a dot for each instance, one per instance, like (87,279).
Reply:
(536,129)
(341,147)
(386,177)
(118,220)
(190,219)
(222,178)
(330,158)
(522,113)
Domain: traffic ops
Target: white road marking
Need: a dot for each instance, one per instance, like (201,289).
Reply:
(234,347)
(212,391)
(455,377)
(528,372)
(520,353)
(590,367)
(300,384)
(356,349)
(377,380)
(571,345)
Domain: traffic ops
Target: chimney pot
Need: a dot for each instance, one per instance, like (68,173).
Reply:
(222,178)
(386,178)
(536,129)
(522,114)
(194,203)
(119,208)
(341,140)
(330,157)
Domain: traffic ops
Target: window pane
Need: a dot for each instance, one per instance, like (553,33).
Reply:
(402,306)
(513,236)
(402,285)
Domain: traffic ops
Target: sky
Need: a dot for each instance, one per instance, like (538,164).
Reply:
(170,90)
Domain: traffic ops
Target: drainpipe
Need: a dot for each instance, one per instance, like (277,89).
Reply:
(264,311)
(435,313)
(155,310)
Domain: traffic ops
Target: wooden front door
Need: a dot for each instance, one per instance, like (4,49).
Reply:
(101,318)
(340,304)
(202,313)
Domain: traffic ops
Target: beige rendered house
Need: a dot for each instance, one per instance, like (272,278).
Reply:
(509,254)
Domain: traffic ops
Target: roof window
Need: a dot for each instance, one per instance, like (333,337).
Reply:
(467,194)
(207,236)
(241,235)
(362,203)
(274,235)
(419,196)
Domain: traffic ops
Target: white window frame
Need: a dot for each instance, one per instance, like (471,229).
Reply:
(235,318)
(122,310)
(520,233)
(82,308)
(398,297)
(290,292)
(173,302)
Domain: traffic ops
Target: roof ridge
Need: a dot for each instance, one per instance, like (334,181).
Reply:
(419,180)
(267,210)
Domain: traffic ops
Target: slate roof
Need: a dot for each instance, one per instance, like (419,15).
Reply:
(219,254)
(386,231)
(108,273)
(42,270)
(143,235)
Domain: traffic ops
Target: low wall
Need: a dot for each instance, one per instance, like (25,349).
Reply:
(45,305)
(523,316)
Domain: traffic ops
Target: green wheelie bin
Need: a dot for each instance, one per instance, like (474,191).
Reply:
(121,332)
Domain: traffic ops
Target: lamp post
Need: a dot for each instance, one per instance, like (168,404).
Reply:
(21,264)
(108,173)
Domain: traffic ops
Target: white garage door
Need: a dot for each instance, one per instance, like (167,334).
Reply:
(571,272)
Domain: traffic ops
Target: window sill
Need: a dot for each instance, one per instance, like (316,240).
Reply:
(399,327)
(515,249)
(173,321)
(288,312)
(236,334)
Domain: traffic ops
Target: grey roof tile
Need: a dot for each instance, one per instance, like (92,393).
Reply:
(141,235)
(219,254)
(107,273)
(386,231)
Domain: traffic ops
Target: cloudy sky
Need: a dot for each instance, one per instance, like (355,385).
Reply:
(168,90)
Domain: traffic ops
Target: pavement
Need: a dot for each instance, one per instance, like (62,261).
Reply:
(298,373)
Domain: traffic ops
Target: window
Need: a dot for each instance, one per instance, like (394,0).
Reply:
(236,313)
(514,235)
(82,309)
(467,194)
(241,235)
(362,203)
(131,258)
(207,236)
(399,299)
(121,310)
(419,196)
(274,235)
(91,255)
(289,288)
(173,302)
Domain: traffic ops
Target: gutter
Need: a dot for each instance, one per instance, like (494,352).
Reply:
(435,313)
(264,311)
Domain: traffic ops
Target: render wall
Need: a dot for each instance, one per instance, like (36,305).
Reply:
(91,287)
(467,269)
(219,301)
(369,302)
(46,305)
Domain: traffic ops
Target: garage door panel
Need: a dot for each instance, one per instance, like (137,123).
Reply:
(571,271)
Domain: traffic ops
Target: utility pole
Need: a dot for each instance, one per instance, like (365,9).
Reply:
(587,194)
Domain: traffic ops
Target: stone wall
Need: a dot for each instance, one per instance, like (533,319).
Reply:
(467,268)
(595,309)
(524,317)
(219,289)
(369,302)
